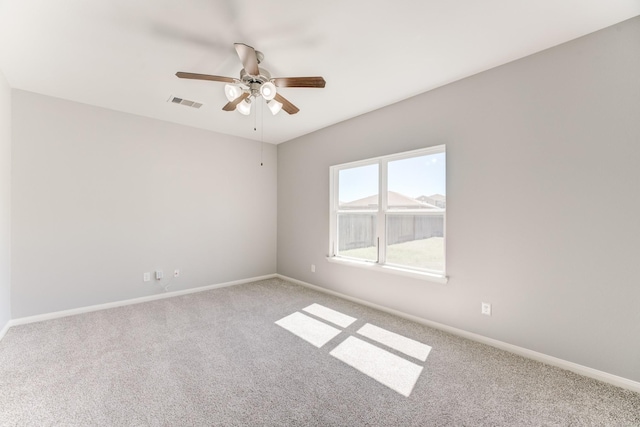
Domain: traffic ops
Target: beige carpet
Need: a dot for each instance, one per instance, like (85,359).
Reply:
(275,353)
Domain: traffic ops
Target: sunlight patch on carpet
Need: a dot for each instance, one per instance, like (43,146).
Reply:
(330,315)
(393,371)
(311,330)
(397,342)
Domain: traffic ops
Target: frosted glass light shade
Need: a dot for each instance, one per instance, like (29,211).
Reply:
(244,107)
(268,91)
(232,92)
(274,106)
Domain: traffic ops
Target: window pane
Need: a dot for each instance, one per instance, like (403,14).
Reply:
(357,236)
(417,183)
(416,241)
(391,210)
(358,187)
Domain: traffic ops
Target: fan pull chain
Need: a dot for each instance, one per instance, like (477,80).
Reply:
(255,128)
(255,118)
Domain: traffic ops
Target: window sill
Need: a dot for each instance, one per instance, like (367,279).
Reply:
(430,277)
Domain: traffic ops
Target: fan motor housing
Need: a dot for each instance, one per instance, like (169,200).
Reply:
(261,78)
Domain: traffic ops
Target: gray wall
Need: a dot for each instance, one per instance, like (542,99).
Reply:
(5,201)
(99,197)
(543,204)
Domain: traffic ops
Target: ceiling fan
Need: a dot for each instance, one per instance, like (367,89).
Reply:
(255,82)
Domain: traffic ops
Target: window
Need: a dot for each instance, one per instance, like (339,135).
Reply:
(390,211)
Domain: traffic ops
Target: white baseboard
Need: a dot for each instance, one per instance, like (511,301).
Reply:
(4,329)
(540,357)
(530,354)
(74,311)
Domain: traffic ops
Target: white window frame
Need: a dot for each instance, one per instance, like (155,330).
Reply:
(381,212)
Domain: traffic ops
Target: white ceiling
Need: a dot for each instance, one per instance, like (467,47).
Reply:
(123,54)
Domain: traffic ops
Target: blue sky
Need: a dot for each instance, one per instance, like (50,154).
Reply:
(413,177)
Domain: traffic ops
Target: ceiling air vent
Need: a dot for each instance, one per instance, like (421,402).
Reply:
(192,104)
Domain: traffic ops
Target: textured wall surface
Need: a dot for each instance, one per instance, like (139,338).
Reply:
(542,201)
(5,202)
(100,197)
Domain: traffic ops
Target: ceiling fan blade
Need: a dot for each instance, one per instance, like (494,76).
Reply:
(230,106)
(286,105)
(248,58)
(196,76)
(299,82)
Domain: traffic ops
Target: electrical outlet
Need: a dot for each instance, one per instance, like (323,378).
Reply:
(159,275)
(486,308)
(176,273)
(313,268)
(146,277)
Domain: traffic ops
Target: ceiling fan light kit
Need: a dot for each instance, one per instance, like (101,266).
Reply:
(232,92)
(244,107)
(268,91)
(274,106)
(255,82)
